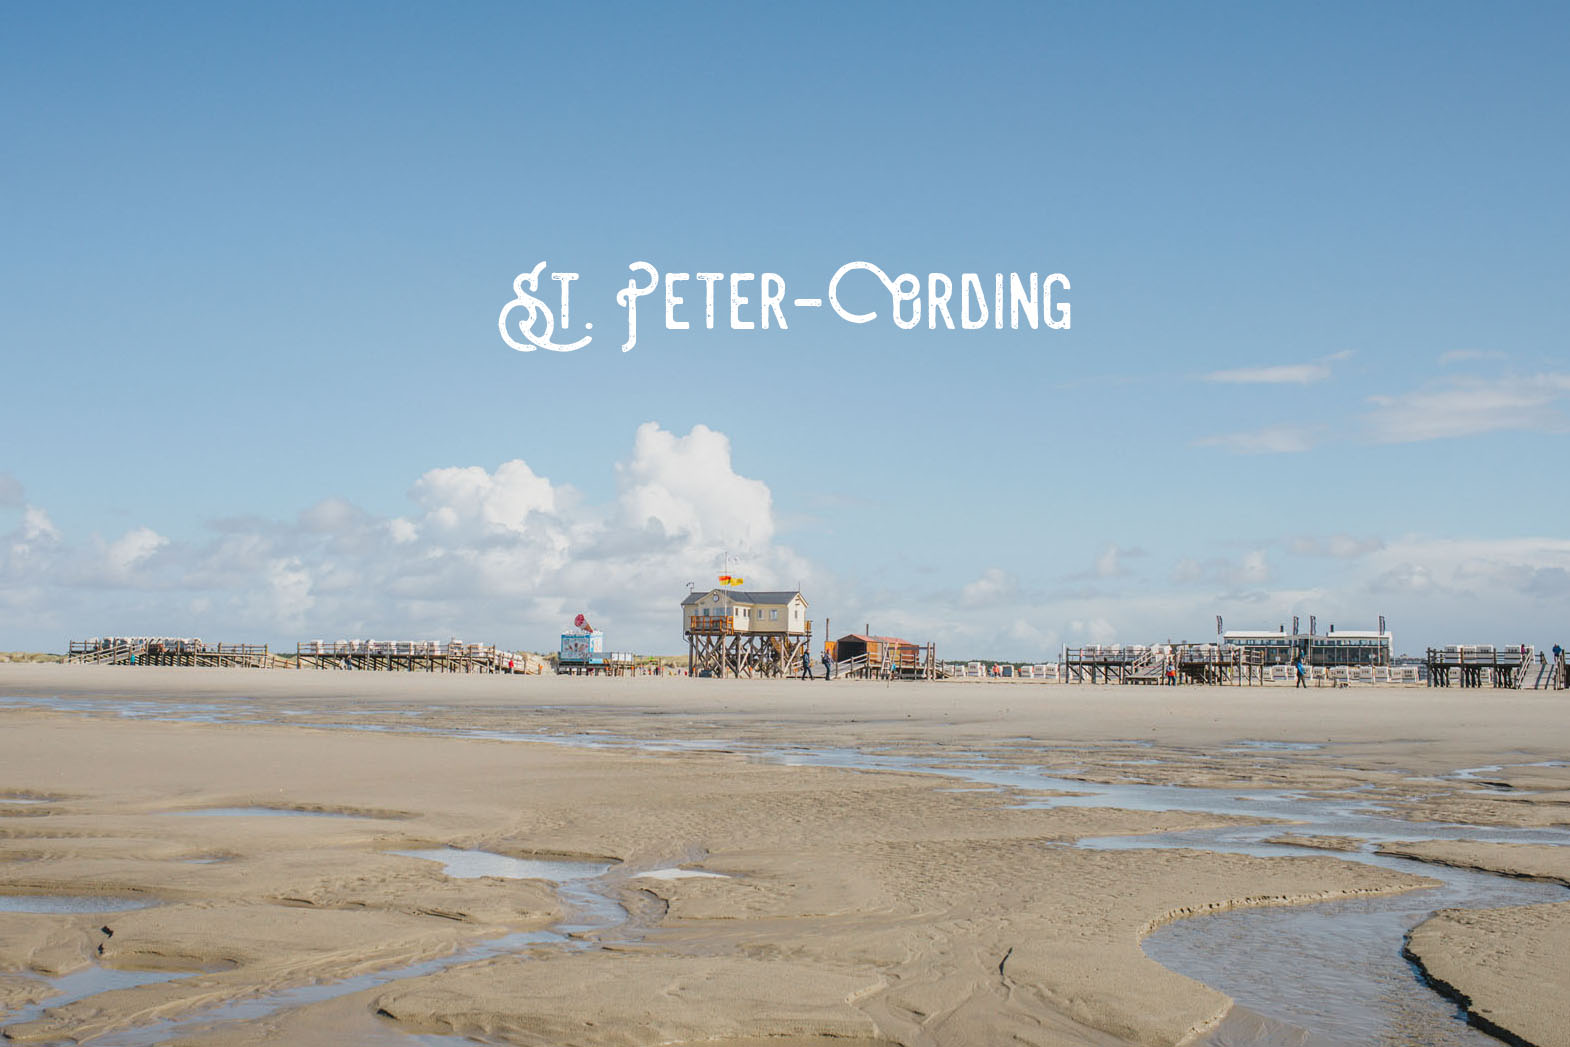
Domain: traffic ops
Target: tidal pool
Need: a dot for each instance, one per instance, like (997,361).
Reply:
(467,865)
(90,981)
(679,874)
(71,903)
(251,812)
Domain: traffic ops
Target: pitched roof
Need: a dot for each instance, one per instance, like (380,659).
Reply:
(746,596)
(863,637)
(775,596)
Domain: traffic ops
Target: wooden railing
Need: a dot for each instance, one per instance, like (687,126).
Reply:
(725,625)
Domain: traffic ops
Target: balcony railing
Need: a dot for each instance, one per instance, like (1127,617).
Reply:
(725,625)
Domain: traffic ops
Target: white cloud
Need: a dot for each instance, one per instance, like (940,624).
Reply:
(1094,630)
(1432,590)
(994,586)
(1468,406)
(131,551)
(1274,439)
(1251,569)
(1467,568)
(495,502)
(1110,563)
(686,486)
(402,531)
(1471,590)
(507,556)
(1281,374)
(1337,546)
(1457,356)
(37,527)
(1027,636)
(498,555)
(1455,406)
(286,596)
(28,546)
(331,515)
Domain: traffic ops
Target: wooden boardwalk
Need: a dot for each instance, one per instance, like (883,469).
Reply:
(167,650)
(413,656)
(1190,663)
(1478,665)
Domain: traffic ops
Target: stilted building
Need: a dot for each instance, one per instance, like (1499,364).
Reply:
(1351,647)
(735,632)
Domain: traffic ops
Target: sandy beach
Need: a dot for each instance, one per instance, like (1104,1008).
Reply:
(254,819)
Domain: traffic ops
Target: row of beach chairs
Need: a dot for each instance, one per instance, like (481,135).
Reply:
(420,648)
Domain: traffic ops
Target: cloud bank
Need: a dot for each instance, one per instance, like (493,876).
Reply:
(506,555)
(499,555)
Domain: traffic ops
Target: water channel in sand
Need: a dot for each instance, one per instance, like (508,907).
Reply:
(581,886)
(76,904)
(1331,973)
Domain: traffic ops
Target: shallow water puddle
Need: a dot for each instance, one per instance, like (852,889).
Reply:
(130,709)
(71,903)
(262,1006)
(1348,984)
(679,874)
(577,885)
(90,981)
(249,812)
(593,909)
(467,865)
(1255,745)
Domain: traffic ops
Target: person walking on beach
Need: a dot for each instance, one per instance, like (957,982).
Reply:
(806,666)
(828,665)
(1301,674)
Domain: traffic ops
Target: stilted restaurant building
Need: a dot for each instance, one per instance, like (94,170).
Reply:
(736,632)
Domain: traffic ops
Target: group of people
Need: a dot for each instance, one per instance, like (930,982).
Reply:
(806,666)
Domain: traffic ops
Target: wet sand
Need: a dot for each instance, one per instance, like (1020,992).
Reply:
(875,906)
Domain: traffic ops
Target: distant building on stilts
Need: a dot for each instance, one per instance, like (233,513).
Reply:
(735,632)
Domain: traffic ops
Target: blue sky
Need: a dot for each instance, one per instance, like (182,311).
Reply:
(254,258)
